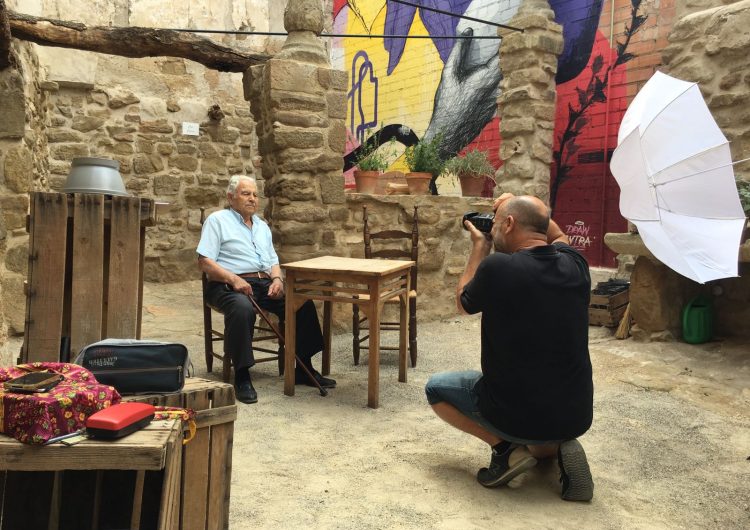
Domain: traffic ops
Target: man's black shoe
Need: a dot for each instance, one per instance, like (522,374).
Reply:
(501,471)
(301,378)
(246,393)
(575,475)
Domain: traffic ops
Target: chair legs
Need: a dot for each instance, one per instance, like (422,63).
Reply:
(357,329)
(208,338)
(413,332)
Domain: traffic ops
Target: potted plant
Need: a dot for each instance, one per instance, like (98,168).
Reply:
(371,161)
(473,169)
(424,163)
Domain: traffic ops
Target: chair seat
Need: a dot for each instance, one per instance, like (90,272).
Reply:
(394,300)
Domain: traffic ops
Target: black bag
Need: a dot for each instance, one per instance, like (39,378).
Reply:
(137,366)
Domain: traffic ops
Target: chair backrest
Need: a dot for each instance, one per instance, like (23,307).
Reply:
(393,244)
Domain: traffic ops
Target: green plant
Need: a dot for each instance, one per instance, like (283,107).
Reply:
(473,163)
(743,189)
(374,157)
(424,157)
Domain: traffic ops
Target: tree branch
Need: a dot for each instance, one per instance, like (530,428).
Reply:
(4,37)
(129,42)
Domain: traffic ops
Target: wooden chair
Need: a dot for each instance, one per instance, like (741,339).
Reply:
(390,244)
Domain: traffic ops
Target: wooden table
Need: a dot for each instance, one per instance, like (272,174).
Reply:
(55,503)
(335,279)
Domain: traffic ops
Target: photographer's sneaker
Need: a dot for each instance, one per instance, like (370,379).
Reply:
(575,475)
(505,466)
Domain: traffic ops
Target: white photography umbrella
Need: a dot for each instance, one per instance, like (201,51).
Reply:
(676,181)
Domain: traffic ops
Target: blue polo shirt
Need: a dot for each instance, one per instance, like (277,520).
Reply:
(236,247)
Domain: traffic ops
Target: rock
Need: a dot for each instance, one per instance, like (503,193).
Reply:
(87,123)
(18,169)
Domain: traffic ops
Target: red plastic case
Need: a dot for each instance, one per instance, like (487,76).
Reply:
(119,420)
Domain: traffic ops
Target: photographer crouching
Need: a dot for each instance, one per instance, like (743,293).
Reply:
(534,395)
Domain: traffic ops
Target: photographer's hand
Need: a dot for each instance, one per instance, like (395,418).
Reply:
(480,240)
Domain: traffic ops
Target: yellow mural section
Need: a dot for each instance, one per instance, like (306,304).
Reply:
(406,96)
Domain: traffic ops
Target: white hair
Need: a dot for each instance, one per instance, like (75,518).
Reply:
(235,181)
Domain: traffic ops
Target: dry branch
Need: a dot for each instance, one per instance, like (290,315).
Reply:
(4,37)
(130,42)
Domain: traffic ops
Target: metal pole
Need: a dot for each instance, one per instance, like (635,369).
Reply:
(449,13)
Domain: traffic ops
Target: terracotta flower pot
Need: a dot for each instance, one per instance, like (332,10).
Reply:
(472,186)
(419,183)
(366,181)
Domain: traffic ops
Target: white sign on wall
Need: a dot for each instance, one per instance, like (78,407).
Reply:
(190,128)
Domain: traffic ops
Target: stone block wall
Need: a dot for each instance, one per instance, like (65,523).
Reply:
(156,159)
(23,168)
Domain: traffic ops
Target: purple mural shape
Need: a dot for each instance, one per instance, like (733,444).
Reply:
(579,19)
(365,72)
(398,20)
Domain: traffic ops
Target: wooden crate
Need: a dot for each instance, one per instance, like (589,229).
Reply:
(85,275)
(132,482)
(207,458)
(607,310)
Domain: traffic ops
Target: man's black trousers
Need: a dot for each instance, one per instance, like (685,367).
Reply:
(239,318)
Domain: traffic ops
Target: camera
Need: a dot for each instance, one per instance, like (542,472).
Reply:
(482,221)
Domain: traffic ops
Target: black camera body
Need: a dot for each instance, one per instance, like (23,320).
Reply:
(482,221)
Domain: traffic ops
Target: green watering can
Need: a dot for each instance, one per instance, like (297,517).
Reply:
(698,320)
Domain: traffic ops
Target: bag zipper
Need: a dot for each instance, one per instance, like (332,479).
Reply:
(137,370)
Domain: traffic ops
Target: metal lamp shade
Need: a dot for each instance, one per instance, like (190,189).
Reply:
(95,175)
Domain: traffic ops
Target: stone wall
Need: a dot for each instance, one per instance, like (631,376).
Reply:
(23,167)
(156,159)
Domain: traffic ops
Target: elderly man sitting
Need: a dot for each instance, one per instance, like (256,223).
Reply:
(236,253)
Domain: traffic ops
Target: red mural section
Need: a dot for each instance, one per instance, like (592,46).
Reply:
(586,200)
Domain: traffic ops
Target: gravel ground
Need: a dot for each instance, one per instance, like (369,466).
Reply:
(669,447)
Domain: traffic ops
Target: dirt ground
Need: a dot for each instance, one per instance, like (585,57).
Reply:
(669,447)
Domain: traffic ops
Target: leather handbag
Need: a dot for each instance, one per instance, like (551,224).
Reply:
(137,366)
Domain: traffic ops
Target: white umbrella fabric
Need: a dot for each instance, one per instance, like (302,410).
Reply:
(674,169)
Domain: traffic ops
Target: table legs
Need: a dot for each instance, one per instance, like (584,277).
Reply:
(290,339)
(327,314)
(372,309)
(373,360)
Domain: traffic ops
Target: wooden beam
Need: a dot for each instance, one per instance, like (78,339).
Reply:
(130,42)
(4,37)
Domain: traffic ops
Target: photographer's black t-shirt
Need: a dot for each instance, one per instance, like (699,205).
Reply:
(537,372)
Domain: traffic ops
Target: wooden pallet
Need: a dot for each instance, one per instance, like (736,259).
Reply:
(207,458)
(132,483)
(85,275)
(607,310)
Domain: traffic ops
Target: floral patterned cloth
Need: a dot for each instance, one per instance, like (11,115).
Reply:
(35,418)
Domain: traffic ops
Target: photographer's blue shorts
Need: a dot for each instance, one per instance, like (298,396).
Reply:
(457,389)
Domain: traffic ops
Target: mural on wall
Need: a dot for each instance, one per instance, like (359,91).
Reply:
(445,81)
